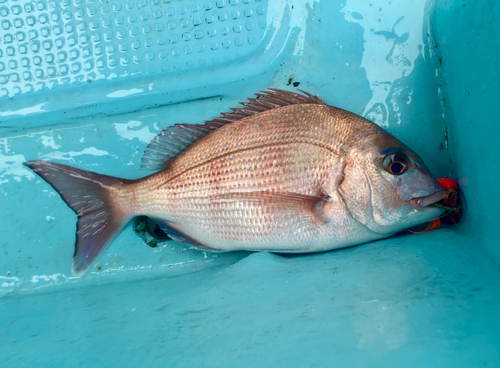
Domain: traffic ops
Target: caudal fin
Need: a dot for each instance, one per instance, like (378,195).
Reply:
(90,195)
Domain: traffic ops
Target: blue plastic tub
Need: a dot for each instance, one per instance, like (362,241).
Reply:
(89,83)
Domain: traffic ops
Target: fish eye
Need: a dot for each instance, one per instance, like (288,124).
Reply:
(396,164)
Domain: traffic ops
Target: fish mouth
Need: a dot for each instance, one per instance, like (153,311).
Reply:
(423,202)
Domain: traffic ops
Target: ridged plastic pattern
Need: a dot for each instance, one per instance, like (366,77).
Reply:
(47,44)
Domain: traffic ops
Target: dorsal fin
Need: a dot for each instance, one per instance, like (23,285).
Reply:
(176,139)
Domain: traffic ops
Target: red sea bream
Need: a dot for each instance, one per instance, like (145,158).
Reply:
(284,173)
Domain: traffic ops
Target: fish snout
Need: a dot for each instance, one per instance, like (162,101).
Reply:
(420,203)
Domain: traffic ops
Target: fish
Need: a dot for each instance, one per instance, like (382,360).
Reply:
(284,173)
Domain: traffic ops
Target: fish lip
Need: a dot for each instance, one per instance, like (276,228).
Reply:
(422,202)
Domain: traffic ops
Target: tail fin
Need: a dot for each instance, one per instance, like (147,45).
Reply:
(90,196)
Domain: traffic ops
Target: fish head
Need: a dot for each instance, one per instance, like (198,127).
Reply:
(395,189)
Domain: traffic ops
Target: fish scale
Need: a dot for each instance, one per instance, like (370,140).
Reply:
(284,173)
(260,138)
(286,150)
(290,124)
(281,170)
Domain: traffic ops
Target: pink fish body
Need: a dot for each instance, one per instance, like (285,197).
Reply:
(284,173)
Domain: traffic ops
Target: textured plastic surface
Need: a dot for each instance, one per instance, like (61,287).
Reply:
(57,44)
(429,300)
(73,56)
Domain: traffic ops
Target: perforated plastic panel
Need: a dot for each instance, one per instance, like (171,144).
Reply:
(45,44)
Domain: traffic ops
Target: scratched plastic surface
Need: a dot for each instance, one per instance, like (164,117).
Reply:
(89,83)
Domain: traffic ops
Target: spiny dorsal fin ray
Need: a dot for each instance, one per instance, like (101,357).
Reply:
(176,139)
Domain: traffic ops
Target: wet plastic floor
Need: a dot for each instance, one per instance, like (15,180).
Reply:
(424,302)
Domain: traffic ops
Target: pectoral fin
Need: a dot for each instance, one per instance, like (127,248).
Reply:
(276,206)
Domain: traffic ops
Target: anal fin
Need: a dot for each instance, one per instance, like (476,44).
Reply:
(178,235)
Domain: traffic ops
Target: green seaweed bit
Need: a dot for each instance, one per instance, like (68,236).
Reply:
(447,208)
